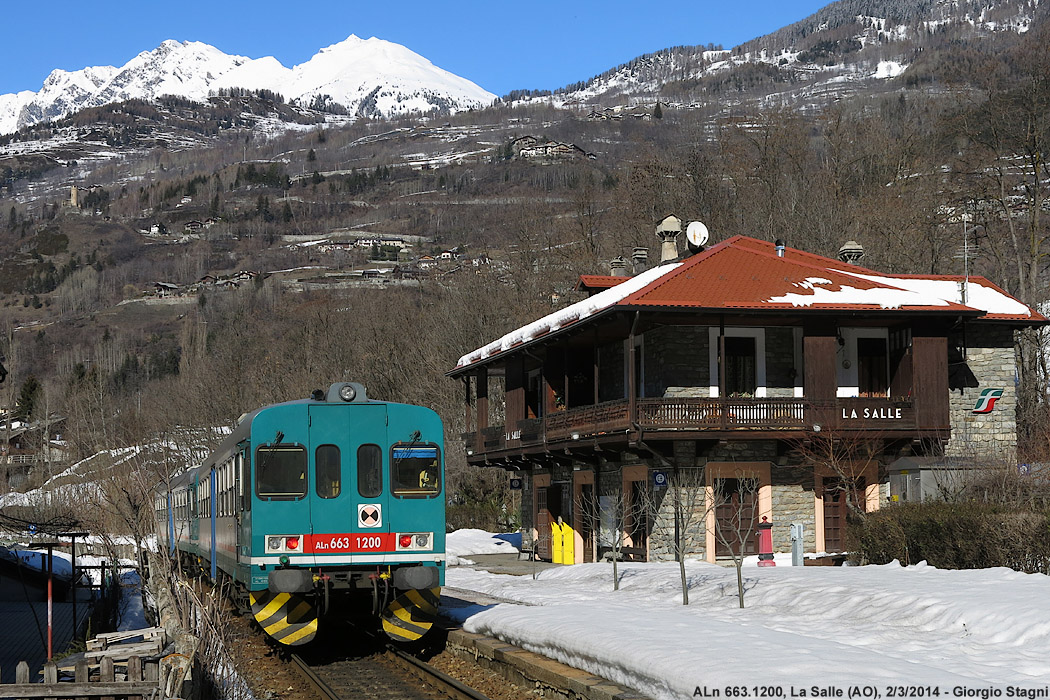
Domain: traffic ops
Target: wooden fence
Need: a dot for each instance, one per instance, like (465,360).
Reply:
(109,670)
(142,681)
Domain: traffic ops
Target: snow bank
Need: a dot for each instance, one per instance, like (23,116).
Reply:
(802,625)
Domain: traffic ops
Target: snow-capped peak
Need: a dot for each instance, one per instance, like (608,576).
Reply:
(371,76)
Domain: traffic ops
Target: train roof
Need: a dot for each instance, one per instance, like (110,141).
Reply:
(339,393)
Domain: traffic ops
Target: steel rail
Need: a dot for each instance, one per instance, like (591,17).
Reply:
(420,669)
(322,688)
(427,673)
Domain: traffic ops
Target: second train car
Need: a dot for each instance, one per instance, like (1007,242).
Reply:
(319,507)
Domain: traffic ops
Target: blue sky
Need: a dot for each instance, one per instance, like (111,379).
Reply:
(497,44)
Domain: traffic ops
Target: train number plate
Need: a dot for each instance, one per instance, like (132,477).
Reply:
(350,542)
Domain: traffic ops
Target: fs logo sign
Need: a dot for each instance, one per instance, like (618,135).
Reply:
(986,401)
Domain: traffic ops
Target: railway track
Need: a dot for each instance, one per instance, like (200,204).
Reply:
(364,666)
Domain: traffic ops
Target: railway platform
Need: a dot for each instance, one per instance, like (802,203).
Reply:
(550,678)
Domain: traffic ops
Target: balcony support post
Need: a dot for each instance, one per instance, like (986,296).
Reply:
(483,404)
(632,373)
(597,378)
(466,403)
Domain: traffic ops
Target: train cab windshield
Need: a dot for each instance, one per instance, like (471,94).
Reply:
(280,472)
(415,470)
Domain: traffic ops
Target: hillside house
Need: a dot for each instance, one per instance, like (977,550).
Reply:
(26,445)
(165,289)
(552,150)
(803,377)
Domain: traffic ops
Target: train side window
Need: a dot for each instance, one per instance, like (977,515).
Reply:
(415,470)
(280,472)
(327,468)
(369,470)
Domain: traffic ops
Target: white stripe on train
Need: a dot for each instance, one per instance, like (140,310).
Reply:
(330,559)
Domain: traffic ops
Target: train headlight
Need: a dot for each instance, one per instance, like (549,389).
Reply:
(405,541)
(423,541)
(273,543)
(347,392)
(292,542)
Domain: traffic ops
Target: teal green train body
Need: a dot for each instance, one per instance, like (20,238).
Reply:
(316,505)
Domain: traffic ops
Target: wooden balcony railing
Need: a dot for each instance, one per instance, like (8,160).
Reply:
(687,414)
(721,414)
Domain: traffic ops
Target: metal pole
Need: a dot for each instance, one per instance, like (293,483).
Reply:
(966,263)
(50,606)
(73,581)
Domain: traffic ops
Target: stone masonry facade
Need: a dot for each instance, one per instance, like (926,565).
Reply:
(990,363)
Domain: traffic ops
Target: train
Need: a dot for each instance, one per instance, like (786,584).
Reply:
(316,508)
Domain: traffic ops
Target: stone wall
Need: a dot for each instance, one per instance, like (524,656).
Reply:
(692,496)
(780,363)
(990,361)
(677,360)
(793,502)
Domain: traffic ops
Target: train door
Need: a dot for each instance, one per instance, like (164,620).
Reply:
(243,508)
(349,500)
(194,514)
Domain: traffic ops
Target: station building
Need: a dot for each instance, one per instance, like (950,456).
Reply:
(805,377)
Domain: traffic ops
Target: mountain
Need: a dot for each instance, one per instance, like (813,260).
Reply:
(845,47)
(370,77)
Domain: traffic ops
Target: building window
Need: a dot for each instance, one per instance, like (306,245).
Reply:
(741,366)
(745,362)
(872,367)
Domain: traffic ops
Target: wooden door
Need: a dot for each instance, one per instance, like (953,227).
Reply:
(735,518)
(587,522)
(543,525)
(872,367)
(638,523)
(837,497)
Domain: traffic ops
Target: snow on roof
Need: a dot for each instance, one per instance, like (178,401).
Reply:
(980,293)
(822,291)
(570,314)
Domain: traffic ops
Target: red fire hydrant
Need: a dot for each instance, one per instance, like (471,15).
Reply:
(765,543)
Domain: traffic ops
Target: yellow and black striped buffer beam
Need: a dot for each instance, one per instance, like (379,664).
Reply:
(286,617)
(412,614)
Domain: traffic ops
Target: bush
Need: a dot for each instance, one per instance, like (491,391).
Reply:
(955,536)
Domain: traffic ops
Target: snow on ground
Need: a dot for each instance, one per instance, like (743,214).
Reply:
(132,612)
(464,543)
(803,626)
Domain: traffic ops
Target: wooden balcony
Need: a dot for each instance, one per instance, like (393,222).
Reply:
(699,418)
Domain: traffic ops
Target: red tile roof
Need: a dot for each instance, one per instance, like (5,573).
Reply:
(745,273)
(591,283)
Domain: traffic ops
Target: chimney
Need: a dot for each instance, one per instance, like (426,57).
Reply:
(641,260)
(851,252)
(780,246)
(667,231)
(618,267)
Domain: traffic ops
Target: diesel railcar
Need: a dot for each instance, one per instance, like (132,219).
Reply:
(316,507)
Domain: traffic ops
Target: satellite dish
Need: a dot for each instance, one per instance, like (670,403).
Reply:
(696,235)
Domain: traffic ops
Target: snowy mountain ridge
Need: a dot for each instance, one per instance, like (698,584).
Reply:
(840,47)
(370,77)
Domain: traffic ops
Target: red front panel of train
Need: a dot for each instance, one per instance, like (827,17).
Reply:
(350,543)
